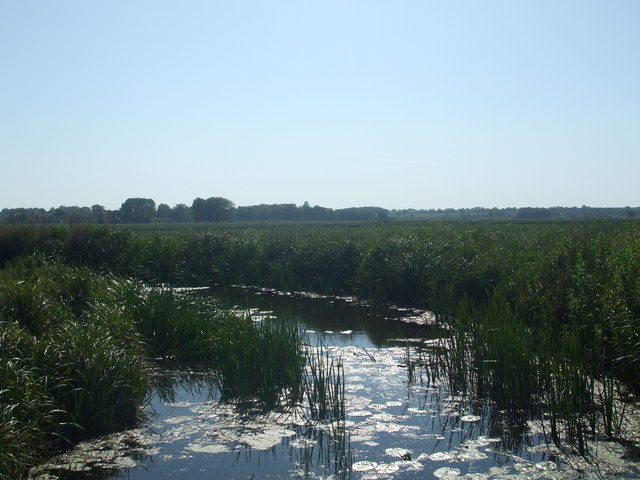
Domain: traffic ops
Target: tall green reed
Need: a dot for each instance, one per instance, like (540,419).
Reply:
(27,412)
(65,375)
(493,354)
(260,363)
(324,385)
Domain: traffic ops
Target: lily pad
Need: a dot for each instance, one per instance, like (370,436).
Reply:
(387,468)
(397,452)
(441,457)
(446,473)
(212,448)
(364,466)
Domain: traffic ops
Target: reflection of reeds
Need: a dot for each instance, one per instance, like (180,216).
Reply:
(492,354)
(324,392)
(261,363)
(323,385)
(328,449)
(265,365)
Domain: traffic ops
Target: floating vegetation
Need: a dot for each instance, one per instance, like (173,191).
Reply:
(445,473)
(364,466)
(109,454)
(407,429)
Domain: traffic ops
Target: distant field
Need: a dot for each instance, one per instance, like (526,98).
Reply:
(235,226)
(361,224)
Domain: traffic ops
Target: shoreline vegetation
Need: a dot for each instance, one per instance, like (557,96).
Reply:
(544,315)
(78,349)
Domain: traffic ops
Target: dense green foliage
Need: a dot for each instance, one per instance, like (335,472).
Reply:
(218,209)
(544,307)
(585,271)
(76,349)
(138,210)
(263,363)
(71,365)
(213,209)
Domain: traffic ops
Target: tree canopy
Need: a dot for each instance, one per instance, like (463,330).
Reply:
(213,209)
(138,210)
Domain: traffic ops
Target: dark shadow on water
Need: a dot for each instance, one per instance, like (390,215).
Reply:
(373,325)
(192,381)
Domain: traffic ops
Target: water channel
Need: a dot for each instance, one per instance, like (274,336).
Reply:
(400,423)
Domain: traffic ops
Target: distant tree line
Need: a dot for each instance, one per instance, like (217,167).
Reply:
(524,213)
(218,209)
(212,209)
(291,212)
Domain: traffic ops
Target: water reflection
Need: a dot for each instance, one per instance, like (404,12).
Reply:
(401,421)
(171,381)
(340,321)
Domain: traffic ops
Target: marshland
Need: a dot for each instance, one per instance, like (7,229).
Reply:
(346,350)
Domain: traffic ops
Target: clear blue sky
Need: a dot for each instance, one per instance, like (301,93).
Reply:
(399,104)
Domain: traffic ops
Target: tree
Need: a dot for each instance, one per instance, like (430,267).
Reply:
(100,214)
(138,210)
(533,212)
(213,209)
(163,211)
(181,213)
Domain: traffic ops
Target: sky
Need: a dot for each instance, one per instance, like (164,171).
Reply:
(398,104)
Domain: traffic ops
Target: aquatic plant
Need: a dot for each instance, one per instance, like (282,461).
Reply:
(260,363)
(549,307)
(173,325)
(323,385)
(494,355)
(27,413)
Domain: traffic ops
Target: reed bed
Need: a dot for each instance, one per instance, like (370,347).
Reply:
(536,372)
(76,353)
(261,364)
(324,385)
(65,374)
(550,310)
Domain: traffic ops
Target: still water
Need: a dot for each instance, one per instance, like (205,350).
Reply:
(400,423)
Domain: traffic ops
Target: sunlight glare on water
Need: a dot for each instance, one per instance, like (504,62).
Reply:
(397,426)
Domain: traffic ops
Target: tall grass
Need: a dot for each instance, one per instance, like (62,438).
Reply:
(76,347)
(260,363)
(324,385)
(558,298)
(539,370)
(174,325)
(66,375)
(27,413)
